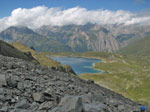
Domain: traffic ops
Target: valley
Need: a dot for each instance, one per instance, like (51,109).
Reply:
(127,75)
(125,71)
(124,74)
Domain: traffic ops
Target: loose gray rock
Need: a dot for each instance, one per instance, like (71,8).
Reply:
(28,87)
(38,97)
(12,82)
(46,106)
(3,80)
(71,104)
(23,104)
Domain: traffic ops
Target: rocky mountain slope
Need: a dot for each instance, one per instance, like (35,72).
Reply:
(31,38)
(28,87)
(80,38)
(9,50)
(76,38)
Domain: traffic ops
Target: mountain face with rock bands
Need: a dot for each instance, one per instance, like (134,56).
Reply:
(29,87)
(76,38)
(82,38)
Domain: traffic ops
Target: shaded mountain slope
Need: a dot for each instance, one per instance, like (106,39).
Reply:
(31,38)
(9,50)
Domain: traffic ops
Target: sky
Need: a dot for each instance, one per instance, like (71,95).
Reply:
(6,6)
(35,13)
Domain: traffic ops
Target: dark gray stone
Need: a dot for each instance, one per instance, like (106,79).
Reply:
(38,97)
(121,108)
(46,106)
(12,82)
(3,80)
(90,98)
(2,91)
(94,107)
(23,104)
(4,109)
(20,86)
(71,104)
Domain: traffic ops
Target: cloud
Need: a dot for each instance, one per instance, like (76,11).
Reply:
(41,15)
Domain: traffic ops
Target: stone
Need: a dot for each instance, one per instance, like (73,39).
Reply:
(94,107)
(57,109)
(2,91)
(12,82)
(46,105)
(3,80)
(34,106)
(90,81)
(20,110)
(23,104)
(4,109)
(20,86)
(90,98)
(71,104)
(121,108)
(2,98)
(38,97)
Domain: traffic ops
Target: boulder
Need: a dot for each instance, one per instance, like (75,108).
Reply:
(92,98)
(94,107)
(38,97)
(20,86)
(46,105)
(3,80)
(71,104)
(12,82)
(23,104)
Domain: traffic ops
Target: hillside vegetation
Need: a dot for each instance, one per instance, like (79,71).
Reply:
(126,75)
(139,48)
(42,59)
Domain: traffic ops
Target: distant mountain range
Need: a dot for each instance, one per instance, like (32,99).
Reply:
(76,38)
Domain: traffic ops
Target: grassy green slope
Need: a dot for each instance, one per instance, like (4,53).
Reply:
(42,59)
(140,48)
(126,75)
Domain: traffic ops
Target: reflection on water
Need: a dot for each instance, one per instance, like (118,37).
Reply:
(79,65)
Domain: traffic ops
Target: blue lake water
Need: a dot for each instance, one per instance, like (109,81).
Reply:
(79,65)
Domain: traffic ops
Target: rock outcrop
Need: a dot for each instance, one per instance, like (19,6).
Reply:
(28,87)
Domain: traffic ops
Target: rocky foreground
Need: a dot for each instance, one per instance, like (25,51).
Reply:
(28,87)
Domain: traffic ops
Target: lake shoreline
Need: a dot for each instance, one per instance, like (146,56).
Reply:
(91,66)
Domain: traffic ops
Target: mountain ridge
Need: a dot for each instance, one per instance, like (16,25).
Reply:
(77,38)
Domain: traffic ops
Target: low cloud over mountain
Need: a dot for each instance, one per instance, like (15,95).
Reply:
(41,15)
